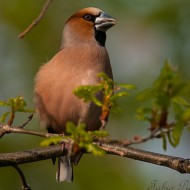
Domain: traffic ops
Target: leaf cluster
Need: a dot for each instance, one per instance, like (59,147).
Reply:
(84,139)
(110,91)
(80,137)
(17,104)
(169,106)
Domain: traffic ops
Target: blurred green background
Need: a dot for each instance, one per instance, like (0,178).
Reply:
(147,33)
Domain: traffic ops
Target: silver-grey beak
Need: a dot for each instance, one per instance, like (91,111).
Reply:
(104,22)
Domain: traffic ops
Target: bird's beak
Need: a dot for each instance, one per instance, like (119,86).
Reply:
(104,22)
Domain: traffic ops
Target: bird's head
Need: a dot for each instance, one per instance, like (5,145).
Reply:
(86,26)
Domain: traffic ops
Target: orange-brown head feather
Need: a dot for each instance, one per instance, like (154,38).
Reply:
(81,27)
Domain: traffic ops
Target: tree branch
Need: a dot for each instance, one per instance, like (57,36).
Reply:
(32,155)
(25,185)
(37,20)
(114,147)
(176,163)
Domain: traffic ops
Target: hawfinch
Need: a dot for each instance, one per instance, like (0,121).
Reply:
(82,56)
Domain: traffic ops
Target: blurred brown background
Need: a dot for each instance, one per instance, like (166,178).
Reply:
(147,33)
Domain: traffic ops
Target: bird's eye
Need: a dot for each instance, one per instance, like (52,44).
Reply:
(88,17)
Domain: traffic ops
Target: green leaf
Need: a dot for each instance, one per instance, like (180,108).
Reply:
(164,142)
(186,115)
(127,86)
(181,101)
(81,128)
(4,116)
(2,103)
(178,111)
(87,93)
(118,95)
(177,132)
(172,143)
(70,127)
(143,114)
(96,101)
(51,141)
(105,77)
(95,150)
(146,94)
(100,134)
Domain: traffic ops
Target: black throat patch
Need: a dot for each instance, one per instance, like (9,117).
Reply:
(100,37)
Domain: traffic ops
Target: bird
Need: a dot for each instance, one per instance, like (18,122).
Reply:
(81,57)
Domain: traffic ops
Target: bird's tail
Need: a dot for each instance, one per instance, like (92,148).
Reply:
(65,169)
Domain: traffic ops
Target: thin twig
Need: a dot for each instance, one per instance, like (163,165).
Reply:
(5,129)
(37,20)
(138,139)
(24,183)
(29,119)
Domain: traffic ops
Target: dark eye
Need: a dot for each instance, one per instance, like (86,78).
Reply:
(88,17)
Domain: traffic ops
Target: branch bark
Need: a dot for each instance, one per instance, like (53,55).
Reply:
(176,163)
(32,155)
